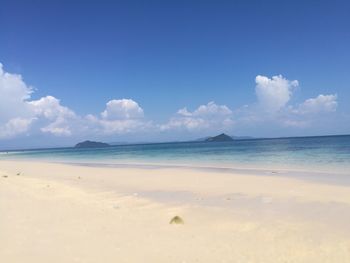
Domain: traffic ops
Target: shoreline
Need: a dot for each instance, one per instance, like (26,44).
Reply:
(67,213)
(333,168)
(338,176)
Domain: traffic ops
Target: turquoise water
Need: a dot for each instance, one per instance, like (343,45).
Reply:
(321,152)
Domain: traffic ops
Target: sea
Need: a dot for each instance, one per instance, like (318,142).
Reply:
(323,153)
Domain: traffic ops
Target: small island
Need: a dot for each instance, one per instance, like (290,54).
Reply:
(91,144)
(220,138)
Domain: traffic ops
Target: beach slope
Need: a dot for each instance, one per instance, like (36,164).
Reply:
(67,213)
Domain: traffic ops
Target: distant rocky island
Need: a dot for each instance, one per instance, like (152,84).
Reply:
(91,144)
(220,138)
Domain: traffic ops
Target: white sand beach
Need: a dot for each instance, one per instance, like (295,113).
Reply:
(65,213)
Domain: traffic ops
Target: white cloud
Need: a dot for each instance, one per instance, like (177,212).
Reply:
(13,92)
(320,104)
(19,114)
(13,87)
(50,108)
(58,128)
(120,117)
(15,116)
(123,109)
(274,94)
(14,126)
(310,112)
(60,118)
(207,111)
(273,106)
(210,116)
(116,127)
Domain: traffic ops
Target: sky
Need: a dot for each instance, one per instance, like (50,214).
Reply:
(149,71)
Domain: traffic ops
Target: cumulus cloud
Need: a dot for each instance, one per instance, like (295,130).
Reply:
(207,111)
(20,114)
(119,117)
(122,110)
(207,116)
(14,126)
(60,118)
(50,108)
(320,104)
(15,115)
(273,107)
(274,93)
(13,93)
(119,126)
(309,112)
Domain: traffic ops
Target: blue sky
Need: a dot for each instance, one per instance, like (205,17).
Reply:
(164,56)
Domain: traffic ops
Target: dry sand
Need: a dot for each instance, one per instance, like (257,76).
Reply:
(65,213)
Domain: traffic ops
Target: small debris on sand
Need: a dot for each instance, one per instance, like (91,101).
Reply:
(5,176)
(177,220)
(19,173)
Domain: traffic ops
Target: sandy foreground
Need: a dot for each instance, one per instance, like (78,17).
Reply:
(66,213)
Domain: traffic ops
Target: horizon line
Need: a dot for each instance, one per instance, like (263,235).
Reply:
(187,141)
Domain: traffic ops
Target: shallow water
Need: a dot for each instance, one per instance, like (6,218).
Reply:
(324,153)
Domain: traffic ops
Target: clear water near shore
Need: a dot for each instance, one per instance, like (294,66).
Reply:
(322,152)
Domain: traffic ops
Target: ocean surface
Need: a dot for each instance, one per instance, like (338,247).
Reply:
(326,152)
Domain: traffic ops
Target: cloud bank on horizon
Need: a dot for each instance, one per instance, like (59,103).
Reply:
(20,115)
